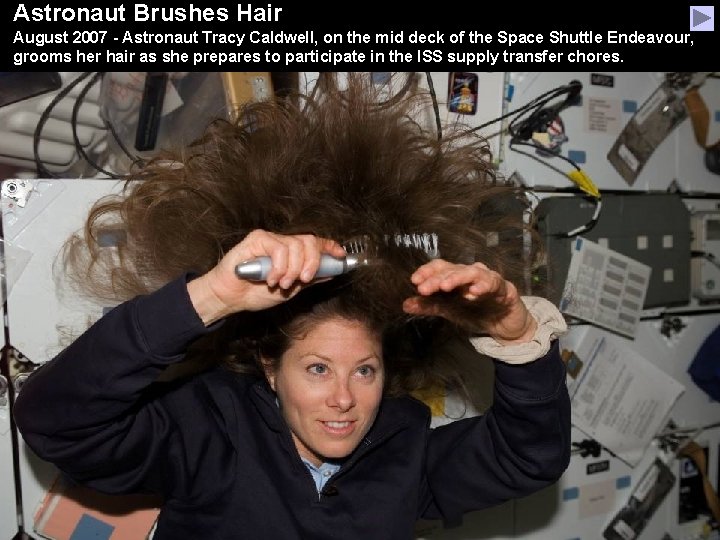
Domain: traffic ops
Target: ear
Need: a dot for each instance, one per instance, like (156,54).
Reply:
(269,369)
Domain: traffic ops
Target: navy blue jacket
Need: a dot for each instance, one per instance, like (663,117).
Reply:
(218,450)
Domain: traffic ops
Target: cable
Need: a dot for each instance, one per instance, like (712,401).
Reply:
(542,115)
(135,159)
(76,108)
(587,226)
(514,143)
(436,109)
(587,447)
(521,129)
(707,256)
(42,171)
(680,431)
(550,94)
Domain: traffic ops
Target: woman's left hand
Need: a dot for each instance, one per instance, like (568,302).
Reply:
(505,319)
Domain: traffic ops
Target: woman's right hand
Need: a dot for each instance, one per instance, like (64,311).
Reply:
(295,260)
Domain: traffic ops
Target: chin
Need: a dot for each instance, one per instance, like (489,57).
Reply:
(338,453)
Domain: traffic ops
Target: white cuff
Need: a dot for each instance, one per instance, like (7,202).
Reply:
(550,325)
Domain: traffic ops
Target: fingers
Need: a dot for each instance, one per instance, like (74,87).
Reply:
(472,281)
(294,258)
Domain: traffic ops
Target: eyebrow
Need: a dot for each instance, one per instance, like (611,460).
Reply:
(328,359)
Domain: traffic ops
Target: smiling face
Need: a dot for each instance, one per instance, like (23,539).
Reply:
(329,385)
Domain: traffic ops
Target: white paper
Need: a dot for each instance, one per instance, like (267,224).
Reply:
(603,116)
(619,398)
(605,287)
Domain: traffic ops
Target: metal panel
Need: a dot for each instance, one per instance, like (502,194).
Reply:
(42,318)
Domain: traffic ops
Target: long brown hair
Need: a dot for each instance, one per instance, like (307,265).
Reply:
(338,168)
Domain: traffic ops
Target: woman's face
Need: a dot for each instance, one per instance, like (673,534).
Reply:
(329,385)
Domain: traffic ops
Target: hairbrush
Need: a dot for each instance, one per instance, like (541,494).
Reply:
(358,252)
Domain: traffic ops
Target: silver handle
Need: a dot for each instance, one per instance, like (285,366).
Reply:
(259,268)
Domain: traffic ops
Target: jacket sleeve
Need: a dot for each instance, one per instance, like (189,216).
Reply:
(519,446)
(89,410)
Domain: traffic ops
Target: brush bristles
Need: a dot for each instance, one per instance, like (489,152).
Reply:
(356,246)
(425,242)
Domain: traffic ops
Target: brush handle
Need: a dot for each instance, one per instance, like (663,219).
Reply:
(259,268)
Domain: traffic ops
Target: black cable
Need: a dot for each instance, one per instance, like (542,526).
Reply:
(589,225)
(539,116)
(587,447)
(135,159)
(548,154)
(707,256)
(42,171)
(522,128)
(76,108)
(558,91)
(537,105)
(310,98)
(436,109)
(598,201)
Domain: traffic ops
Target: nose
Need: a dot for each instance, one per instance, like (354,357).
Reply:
(341,396)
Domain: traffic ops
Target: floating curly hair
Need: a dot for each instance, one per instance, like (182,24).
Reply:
(337,168)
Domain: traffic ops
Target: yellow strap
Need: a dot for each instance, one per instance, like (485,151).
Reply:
(699,115)
(583,181)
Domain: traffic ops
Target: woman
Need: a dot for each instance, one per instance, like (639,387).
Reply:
(321,441)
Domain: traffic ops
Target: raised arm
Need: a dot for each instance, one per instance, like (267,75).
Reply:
(522,442)
(94,411)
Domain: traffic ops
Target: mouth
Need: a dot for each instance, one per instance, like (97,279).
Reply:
(344,427)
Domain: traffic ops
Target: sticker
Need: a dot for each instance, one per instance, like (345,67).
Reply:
(578,156)
(598,467)
(623,482)
(628,157)
(91,528)
(647,483)
(462,92)
(600,79)
(624,530)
